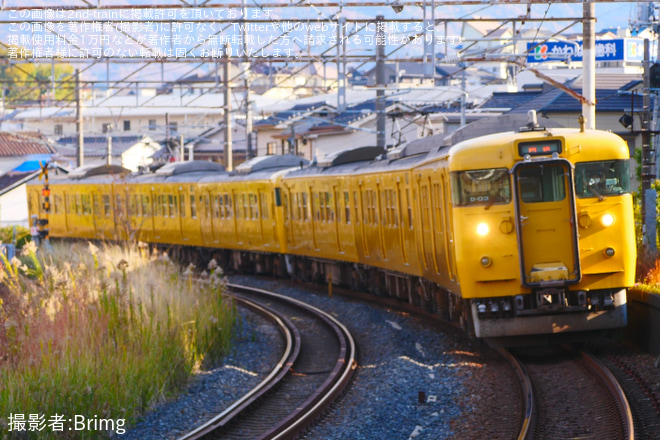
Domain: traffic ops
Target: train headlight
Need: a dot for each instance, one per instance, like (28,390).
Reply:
(485,261)
(609,252)
(483,229)
(607,220)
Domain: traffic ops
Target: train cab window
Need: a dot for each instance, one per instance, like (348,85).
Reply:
(207,206)
(603,178)
(543,183)
(193,207)
(347,207)
(481,187)
(182,206)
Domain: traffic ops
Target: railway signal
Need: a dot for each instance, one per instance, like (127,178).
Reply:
(45,193)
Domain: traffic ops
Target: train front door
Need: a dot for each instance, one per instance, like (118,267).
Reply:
(547,235)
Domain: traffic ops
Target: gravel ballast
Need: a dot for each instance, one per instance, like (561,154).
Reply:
(415,380)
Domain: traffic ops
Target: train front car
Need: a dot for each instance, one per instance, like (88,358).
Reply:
(545,238)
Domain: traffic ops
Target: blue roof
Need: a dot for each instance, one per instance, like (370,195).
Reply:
(353,114)
(294,111)
(509,100)
(607,100)
(32,162)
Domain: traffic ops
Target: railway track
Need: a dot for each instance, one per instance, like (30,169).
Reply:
(317,364)
(640,383)
(570,394)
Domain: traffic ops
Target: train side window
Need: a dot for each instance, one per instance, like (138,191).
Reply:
(207,206)
(305,209)
(193,207)
(245,207)
(106,205)
(285,201)
(387,216)
(254,206)
(182,206)
(145,206)
(264,206)
(437,202)
(347,207)
(215,206)
(228,206)
(409,205)
(56,204)
(220,206)
(132,209)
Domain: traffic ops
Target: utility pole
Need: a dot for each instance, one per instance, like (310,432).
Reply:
(589,63)
(80,153)
(246,75)
(649,195)
(109,151)
(229,154)
(380,82)
(429,38)
(341,65)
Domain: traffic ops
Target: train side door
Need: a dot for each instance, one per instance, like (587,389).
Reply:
(547,236)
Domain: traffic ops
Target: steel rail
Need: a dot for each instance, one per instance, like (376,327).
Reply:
(320,399)
(615,390)
(289,355)
(337,380)
(526,391)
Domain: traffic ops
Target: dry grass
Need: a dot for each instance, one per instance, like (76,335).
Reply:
(102,332)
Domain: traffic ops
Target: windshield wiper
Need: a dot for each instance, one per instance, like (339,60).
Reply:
(596,193)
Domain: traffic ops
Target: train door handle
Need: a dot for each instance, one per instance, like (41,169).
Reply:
(523,218)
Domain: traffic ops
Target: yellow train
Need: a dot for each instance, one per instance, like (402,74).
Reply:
(517,233)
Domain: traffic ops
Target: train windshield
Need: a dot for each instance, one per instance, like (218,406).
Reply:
(603,178)
(481,187)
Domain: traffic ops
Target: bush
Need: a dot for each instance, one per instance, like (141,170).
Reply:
(103,333)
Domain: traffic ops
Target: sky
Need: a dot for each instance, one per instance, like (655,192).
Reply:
(609,15)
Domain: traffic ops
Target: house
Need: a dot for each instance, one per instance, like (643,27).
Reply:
(13,195)
(130,152)
(281,132)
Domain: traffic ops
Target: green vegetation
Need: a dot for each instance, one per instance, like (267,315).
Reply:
(102,333)
(17,235)
(31,82)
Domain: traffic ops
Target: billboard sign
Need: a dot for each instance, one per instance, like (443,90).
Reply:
(620,49)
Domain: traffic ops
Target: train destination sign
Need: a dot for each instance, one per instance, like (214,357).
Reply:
(539,148)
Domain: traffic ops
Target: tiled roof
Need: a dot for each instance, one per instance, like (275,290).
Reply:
(13,177)
(506,100)
(607,100)
(294,111)
(352,114)
(15,144)
(97,146)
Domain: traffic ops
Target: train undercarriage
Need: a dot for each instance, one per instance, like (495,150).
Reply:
(546,311)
